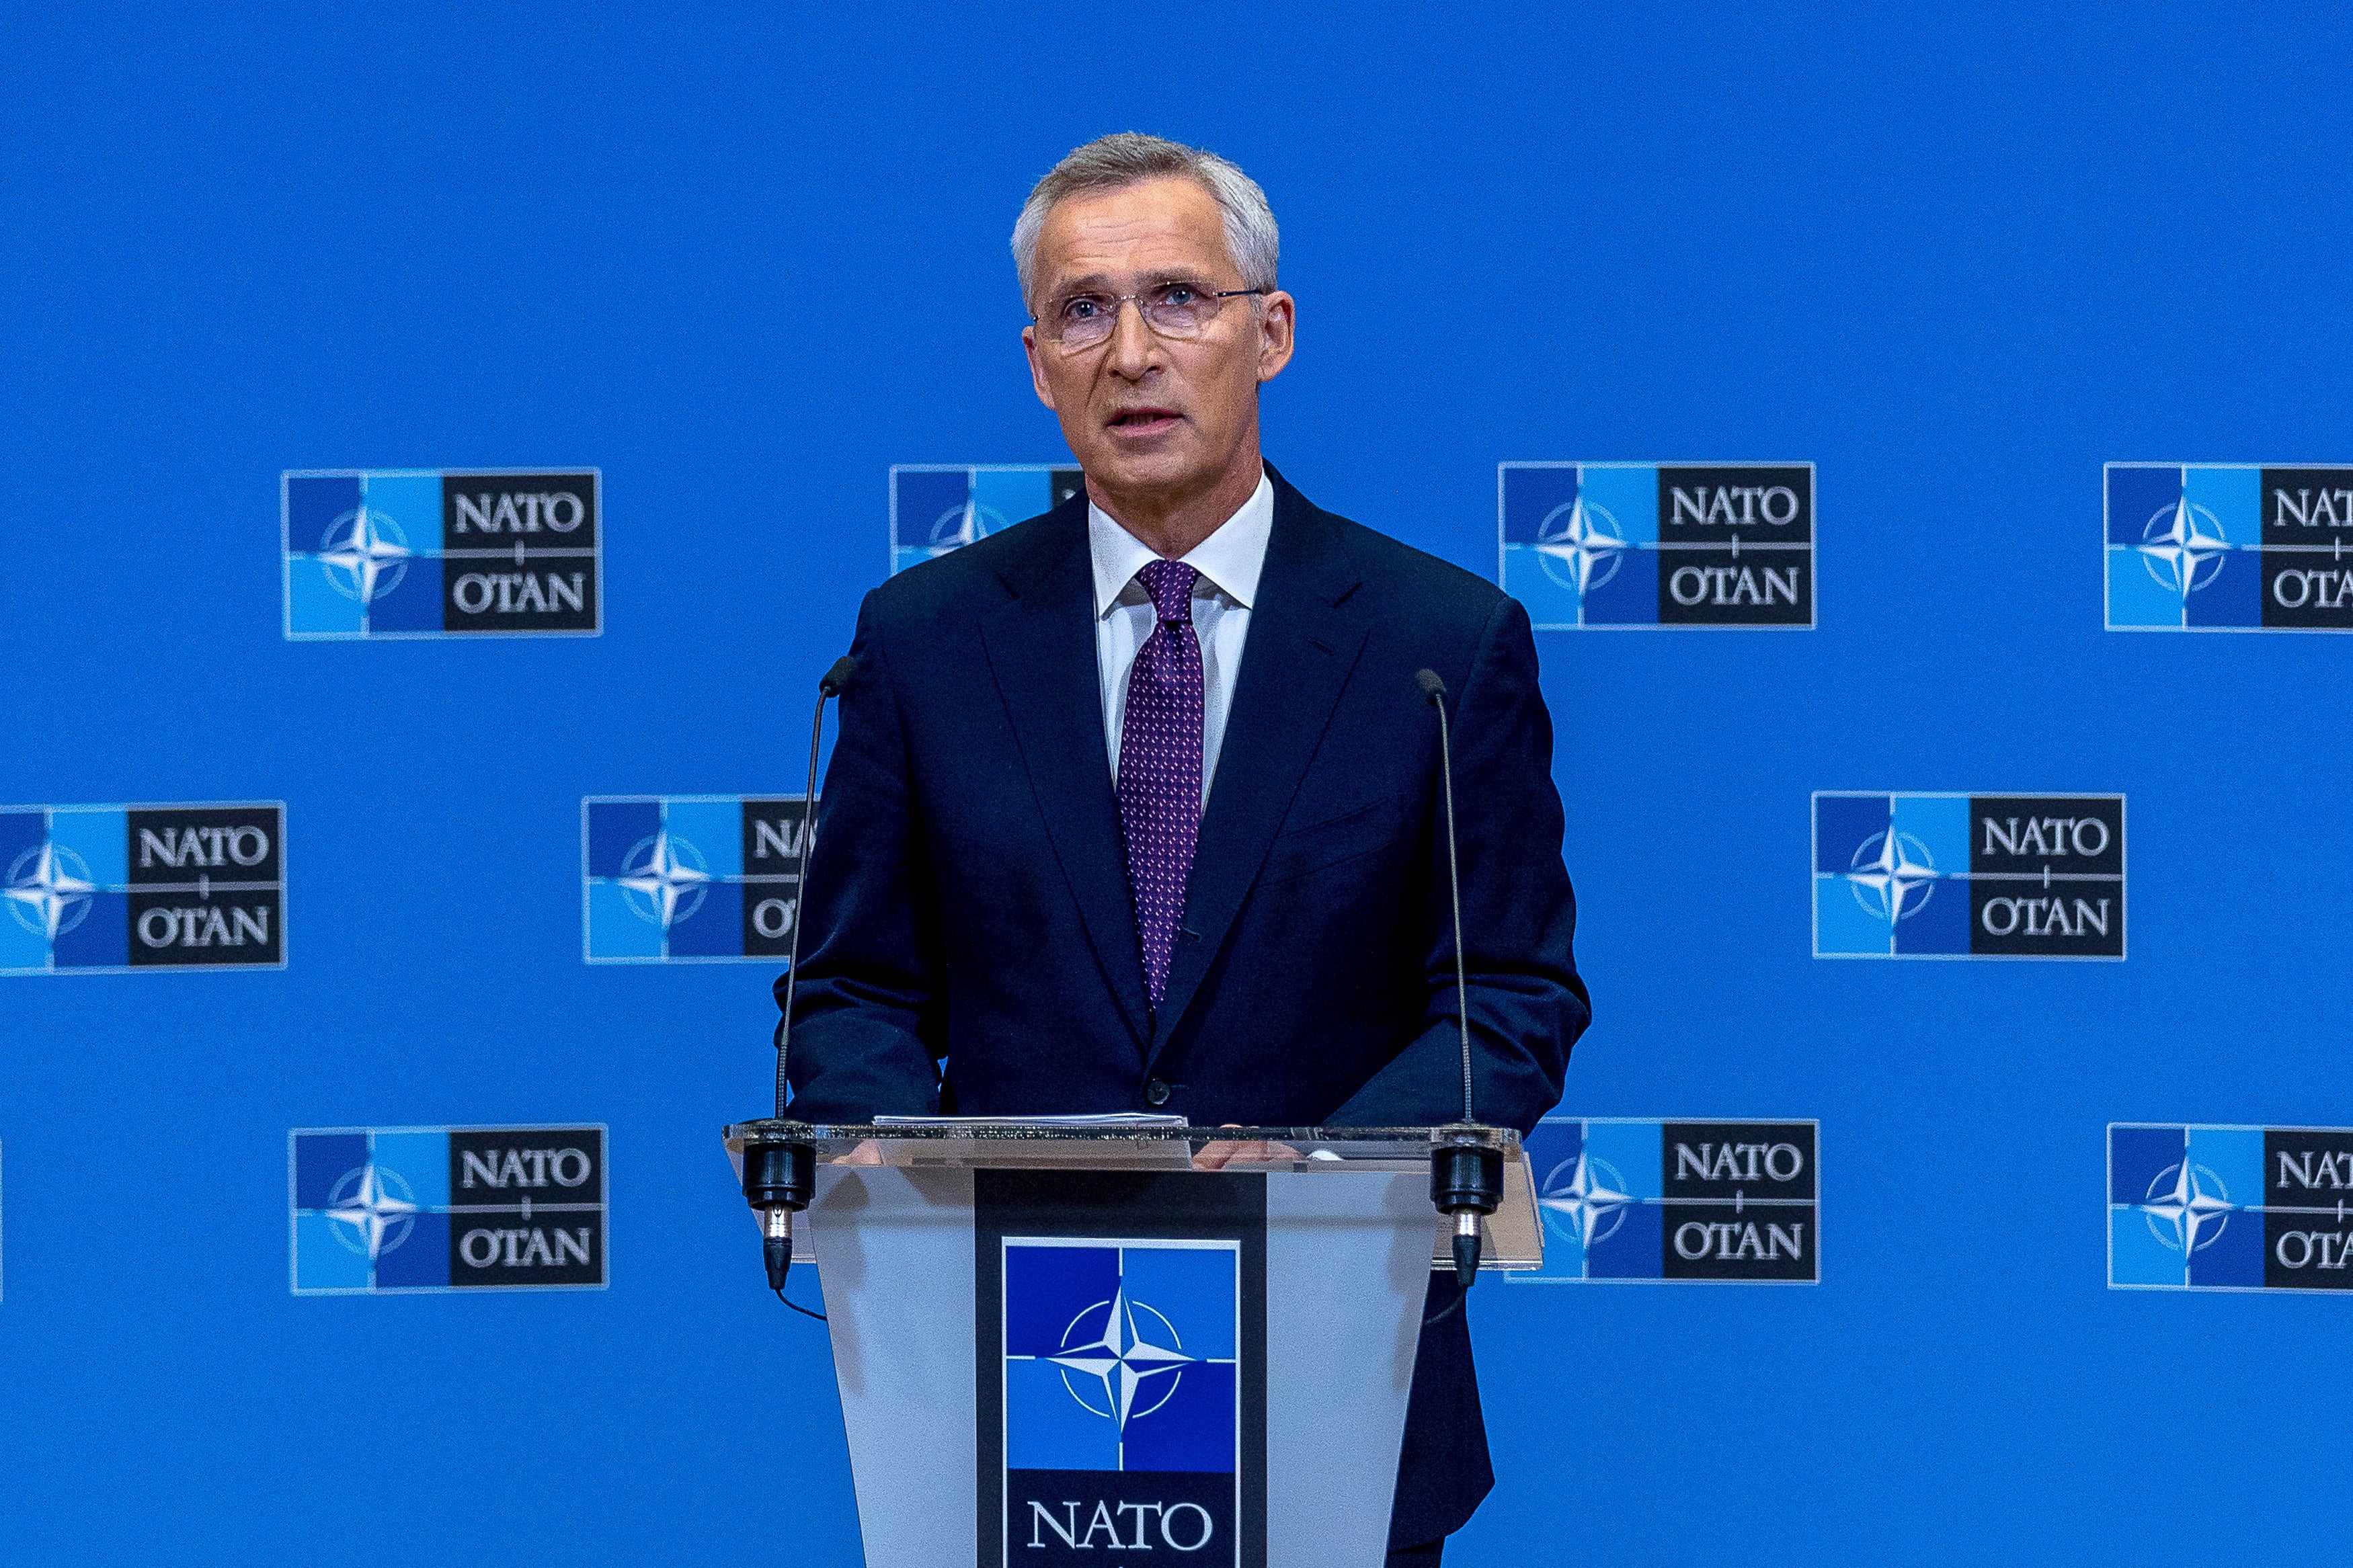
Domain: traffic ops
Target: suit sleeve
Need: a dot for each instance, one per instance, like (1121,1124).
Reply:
(867,1003)
(1527,1004)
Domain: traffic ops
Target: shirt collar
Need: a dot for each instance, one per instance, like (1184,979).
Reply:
(1230,558)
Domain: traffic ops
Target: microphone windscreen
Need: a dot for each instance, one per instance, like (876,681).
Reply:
(1431,687)
(839,675)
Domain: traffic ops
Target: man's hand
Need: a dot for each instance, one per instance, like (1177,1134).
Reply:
(1218,1153)
(866,1153)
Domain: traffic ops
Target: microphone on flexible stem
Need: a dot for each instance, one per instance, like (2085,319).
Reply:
(1466,1169)
(780,1177)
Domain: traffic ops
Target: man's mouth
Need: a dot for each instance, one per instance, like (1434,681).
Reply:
(1144,421)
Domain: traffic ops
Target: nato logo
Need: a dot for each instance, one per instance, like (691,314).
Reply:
(1123,1414)
(1649,545)
(418,553)
(2229,1208)
(935,508)
(1637,1200)
(689,878)
(383,1209)
(2229,547)
(93,888)
(1969,876)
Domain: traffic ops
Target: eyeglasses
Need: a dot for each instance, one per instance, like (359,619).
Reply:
(1174,308)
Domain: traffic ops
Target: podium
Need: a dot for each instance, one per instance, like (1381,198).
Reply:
(1055,1341)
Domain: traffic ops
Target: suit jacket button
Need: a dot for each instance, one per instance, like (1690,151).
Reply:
(1155,1092)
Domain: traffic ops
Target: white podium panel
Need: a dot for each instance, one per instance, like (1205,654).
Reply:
(1050,1348)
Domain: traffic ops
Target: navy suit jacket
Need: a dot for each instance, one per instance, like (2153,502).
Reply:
(968,900)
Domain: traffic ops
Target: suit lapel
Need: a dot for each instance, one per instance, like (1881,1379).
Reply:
(1041,649)
(1303,642)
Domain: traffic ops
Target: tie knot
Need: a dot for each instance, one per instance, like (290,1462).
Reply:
(1170,584)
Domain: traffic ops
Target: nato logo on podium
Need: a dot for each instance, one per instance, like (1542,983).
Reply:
(2229,547)
(689,879)
(1620,546)
(93,888)
(1122,1395)
(1924,875)
(938,506)
(405,1209)
(418,553)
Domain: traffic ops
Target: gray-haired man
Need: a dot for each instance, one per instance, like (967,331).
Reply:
(1135,803)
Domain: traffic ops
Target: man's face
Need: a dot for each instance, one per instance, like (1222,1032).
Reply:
(1149,416)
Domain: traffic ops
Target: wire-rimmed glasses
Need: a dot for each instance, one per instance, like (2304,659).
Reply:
(1173,308)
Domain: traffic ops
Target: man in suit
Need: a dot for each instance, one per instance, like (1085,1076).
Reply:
(1137,805)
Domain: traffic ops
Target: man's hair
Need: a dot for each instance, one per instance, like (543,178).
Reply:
(1127,158)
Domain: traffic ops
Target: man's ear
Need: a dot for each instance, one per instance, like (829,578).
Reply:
(1037,367)
(1277,322)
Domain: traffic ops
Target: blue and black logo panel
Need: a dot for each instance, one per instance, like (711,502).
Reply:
(689,879)
(2229,547)
(97,888)
(1927,875)
(405,1209)
(415,552)
(1589,545)
(937,508)
(2229,1208)
(1625,1200)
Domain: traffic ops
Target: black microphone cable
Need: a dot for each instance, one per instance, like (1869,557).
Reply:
(827,688)
(1435,690)
(1466,1170)
(780,1176)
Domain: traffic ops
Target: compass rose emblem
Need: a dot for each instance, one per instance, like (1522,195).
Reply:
(1585,1197)
(1580,545)
(664,877)
(966,524)
(1891,876)
(49,890)
(2183,547)
(374,1210)
(365,554)
(2188,1207)
(1122,1359)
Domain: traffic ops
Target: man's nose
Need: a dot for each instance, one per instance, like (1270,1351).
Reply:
(1134,347)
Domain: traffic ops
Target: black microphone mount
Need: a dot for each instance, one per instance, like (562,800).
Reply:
(1466,1167)
(780,1174)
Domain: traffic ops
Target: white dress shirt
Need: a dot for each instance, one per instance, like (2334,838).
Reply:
(1229,561)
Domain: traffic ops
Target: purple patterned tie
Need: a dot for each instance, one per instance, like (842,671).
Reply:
(1160,766)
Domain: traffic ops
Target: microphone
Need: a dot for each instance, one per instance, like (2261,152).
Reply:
(1466,1170)
(780,1177)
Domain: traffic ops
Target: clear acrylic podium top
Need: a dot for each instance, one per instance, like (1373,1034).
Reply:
(1512,1237)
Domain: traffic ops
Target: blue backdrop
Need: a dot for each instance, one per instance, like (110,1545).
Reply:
(742,264)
